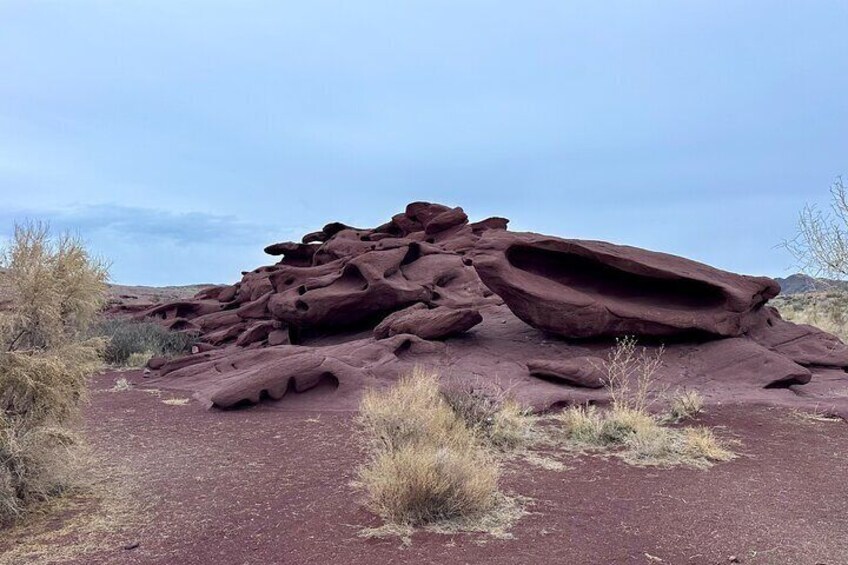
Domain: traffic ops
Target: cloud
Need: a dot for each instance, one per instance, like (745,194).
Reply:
(145,224)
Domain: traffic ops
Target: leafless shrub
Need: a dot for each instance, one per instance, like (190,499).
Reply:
(821,243)
(628,425)
(631,375)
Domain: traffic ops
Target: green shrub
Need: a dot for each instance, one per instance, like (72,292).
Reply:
(129,341)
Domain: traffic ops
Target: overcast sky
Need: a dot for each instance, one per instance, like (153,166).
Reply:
(179,138)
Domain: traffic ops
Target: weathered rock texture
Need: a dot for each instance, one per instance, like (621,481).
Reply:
(583,289)
(350,308)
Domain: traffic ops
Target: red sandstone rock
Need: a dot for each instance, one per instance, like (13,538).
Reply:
(419,320)
(582,289)
(423,273)
(579,371)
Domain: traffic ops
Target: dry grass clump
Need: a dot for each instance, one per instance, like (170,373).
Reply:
(827,311)
(139,360)
(629,426)
(55,289)
(701,442)
(686,405)
(425,484)
(121,385)
(426,465)
(490,411)
(176,401)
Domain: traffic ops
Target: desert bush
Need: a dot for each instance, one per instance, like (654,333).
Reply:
(423,483)
(824,311)
(46,388)
(631,375)
(36,464)
(411,411)
(490,411)
(628,425)
(129,341)
(686,405)
(821,243)
(54,289)
(425,464)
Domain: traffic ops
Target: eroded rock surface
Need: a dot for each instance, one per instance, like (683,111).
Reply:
(351,308)
(582,289)
(580,371)
(438,323)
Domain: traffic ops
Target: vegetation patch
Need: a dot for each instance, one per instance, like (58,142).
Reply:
(629,429)
(489,411)
(686,405)
(131,344)
(427,467)
(54,289)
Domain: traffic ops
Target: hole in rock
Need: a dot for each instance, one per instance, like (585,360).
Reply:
(351,279)
(467,262)
(445,280)
(412,254)
(301,305)
(590,276)
(403,348)
(301,290)
(561,381)
(326,381)
(786,383)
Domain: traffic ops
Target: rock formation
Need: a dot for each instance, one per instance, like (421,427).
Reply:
(349,308)
(582,289)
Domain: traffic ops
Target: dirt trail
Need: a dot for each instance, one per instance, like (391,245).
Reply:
(267,486)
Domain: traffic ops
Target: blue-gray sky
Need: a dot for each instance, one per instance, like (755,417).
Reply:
(179,138)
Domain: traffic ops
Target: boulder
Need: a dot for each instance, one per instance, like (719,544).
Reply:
(583,289)
(436,323)
(580,371)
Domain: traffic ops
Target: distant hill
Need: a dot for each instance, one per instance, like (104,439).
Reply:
(800,284)
(125,294)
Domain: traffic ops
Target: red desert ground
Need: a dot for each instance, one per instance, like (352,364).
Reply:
(250,448)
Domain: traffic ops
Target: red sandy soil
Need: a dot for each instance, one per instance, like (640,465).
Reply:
(267,485)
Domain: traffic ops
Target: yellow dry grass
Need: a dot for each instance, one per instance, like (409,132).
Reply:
(629,429)
(686,405)
(53,289)
(427,467)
